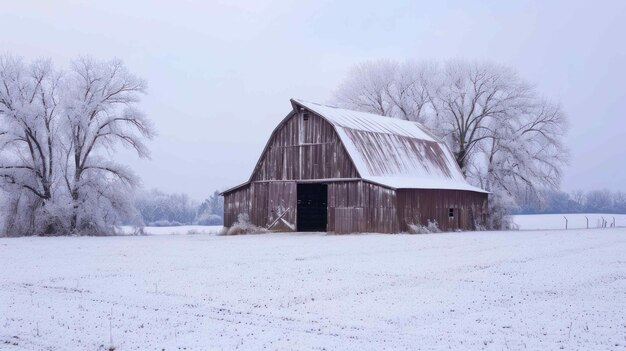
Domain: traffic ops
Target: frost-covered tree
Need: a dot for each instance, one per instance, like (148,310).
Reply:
(389,88)
(211,210)
(100,112)
(597,201)
(619,202)
(160,209)
(413,90)
(578,199)
(29,121)
(473,98)
(505,137)
(58,132)
(366,87)
(523,153)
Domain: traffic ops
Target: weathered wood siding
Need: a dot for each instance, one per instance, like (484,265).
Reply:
(304,149)
(282,195)
(360,206)
(235,202)
(418,206)
(262,201)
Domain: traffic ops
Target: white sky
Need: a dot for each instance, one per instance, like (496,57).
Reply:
(221,73)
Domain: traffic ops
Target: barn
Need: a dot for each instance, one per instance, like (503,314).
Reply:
(330,169)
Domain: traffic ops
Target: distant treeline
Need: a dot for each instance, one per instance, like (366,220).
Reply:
(160,209)
(595,201)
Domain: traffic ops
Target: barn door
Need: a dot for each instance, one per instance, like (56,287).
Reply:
(312,211)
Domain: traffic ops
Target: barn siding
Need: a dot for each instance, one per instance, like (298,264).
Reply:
(304,150)
(360,206)
(235,202)
(262,201)
(418,206)
(282,196)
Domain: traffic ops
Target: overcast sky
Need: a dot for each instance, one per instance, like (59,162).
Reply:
(221,73)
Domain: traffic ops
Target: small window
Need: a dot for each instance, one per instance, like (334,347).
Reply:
(451,212)
(305,116)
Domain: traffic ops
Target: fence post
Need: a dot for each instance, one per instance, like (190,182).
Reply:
(565,222)
(587,221)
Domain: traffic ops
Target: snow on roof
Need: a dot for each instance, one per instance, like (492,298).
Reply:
(393,152)
(367,122)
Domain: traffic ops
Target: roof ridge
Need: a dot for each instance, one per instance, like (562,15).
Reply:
(318,103)
(376,121)
(364,114)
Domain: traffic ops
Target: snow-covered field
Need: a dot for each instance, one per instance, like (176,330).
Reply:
(535,290)
(524,222)
(177,230)
(574,220)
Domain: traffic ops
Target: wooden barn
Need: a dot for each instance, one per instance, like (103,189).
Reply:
(336,170)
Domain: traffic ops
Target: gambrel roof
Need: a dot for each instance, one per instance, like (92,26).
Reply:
(392,152)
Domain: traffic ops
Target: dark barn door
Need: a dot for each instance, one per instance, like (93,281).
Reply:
(312,210)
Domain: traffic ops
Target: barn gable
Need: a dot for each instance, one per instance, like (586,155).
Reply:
(304,148)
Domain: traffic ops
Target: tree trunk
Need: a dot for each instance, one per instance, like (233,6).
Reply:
(460,159)
(75,205)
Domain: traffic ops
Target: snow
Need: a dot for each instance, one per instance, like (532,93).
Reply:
(367,122)
(478,290)
(574,220)
(175,230)
(422,183)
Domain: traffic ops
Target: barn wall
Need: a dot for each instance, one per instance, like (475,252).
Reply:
(262,201)
(359,206)
(422,205)
(302,150)
(235,202)
(355,207)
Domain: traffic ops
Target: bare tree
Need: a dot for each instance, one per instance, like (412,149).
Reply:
(58,130)
(523,155)
(597,201)
(100,111)
(367,87)
(403,90)
(411,93)
(474,96)
(29,100)
(504,136)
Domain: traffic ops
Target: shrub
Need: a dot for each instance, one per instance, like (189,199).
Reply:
(431,227)
(138,231)
(165,223)
(243,226)
(417,229)
(479,226)
(499,208)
